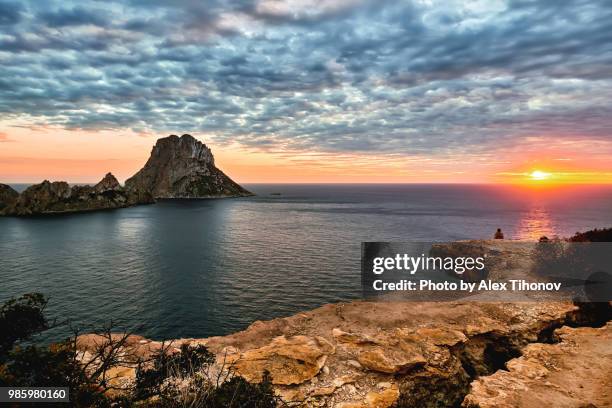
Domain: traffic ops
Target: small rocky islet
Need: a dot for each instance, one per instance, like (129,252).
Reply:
(179,167)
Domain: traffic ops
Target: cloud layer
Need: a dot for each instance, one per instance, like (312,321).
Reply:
(420,77)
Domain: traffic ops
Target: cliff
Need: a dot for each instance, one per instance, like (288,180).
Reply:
(59,197)
(423,354)
(8,196)
(575,371)
(183,167)
(413,354)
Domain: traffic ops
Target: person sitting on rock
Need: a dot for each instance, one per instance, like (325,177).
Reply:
(499,234)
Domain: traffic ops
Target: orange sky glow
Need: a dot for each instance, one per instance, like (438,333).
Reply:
(329,91)
(29,155)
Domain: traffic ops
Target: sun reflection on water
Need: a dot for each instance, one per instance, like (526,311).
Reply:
(535,223)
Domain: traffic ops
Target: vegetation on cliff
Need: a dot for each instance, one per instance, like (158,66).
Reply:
(595,235)
(167,378)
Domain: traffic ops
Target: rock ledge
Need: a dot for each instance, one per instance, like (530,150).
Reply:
(385,354)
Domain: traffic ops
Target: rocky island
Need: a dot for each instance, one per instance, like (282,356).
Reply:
(59,197)
(183,167)
(179,167)
(8,196)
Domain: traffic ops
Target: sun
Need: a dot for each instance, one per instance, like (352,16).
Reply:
(538,175)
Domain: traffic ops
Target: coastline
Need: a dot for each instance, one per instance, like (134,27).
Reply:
(385,353)
(376,354)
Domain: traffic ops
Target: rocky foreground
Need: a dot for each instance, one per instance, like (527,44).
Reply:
(575,372)
(384,354)
(179,167)
(424,354)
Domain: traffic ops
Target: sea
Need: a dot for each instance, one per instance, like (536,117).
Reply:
(206,267)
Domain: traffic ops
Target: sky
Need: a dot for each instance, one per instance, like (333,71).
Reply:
(309,90)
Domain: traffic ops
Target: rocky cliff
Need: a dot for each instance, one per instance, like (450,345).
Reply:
(8,196)
(417,354)
(59,197)
(183,167)
(574,371)
(423,354)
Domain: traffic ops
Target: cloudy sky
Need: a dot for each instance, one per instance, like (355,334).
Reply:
(309,90)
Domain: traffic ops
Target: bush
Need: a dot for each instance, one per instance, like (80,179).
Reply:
(20,319)
(169,379)
(596,235)
(549,257)
(185,379)
(239,393)
(26,364)
(582,263)
(187,363)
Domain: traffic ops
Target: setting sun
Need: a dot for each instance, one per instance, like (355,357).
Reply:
(539,175)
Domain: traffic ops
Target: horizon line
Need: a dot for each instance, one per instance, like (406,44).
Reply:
(518,184)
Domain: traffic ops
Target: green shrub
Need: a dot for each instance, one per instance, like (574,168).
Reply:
(20,319)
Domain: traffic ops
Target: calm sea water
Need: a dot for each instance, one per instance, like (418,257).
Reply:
(197,268)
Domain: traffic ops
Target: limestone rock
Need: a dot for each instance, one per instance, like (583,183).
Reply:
(375,399)
(351,404)
(386,361)
(417,354)
(324,391)
(183,167)
(290,360)
(576,372)
(382,399)
(386,353)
